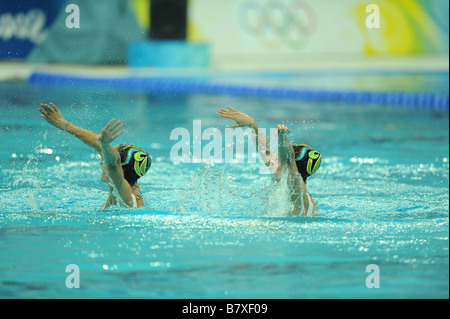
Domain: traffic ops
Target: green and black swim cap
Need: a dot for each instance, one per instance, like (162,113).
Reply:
(135,162)
(307,159)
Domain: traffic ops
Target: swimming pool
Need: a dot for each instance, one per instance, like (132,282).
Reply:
(220,231)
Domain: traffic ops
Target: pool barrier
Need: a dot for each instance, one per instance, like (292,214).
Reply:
(163,53)
(189,84)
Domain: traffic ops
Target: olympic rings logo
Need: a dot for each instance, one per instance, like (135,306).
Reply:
(278,23)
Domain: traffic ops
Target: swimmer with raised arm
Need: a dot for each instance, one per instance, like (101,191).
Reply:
(300,161)
(122,165)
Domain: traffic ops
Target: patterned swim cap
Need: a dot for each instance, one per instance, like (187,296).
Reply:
(135,162)
(307,159)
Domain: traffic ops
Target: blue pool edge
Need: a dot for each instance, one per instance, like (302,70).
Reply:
(192,84)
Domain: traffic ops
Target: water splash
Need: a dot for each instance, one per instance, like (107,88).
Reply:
(237,192)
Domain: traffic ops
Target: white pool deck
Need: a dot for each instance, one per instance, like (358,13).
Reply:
(14,70)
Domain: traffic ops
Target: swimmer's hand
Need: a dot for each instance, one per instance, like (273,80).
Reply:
(281,128)
(52,115)
(110,132)
(241,119)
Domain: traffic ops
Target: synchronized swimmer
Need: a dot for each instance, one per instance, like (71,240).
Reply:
(300,161)
(123,164)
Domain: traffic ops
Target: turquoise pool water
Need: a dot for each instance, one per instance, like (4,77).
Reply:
(220,231)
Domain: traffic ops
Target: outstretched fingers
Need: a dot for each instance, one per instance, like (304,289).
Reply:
(54,108)
(47,108)
(282,128)
(116,127)
(112,130)
(46,111)
(223,112)
(107,127)
(116,135)
(230,113)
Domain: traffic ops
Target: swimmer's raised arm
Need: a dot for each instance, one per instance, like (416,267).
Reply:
(285,149)
(285,161)
(111,158)
(54,117)
(243,120)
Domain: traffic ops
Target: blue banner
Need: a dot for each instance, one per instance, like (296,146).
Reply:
(24,24)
